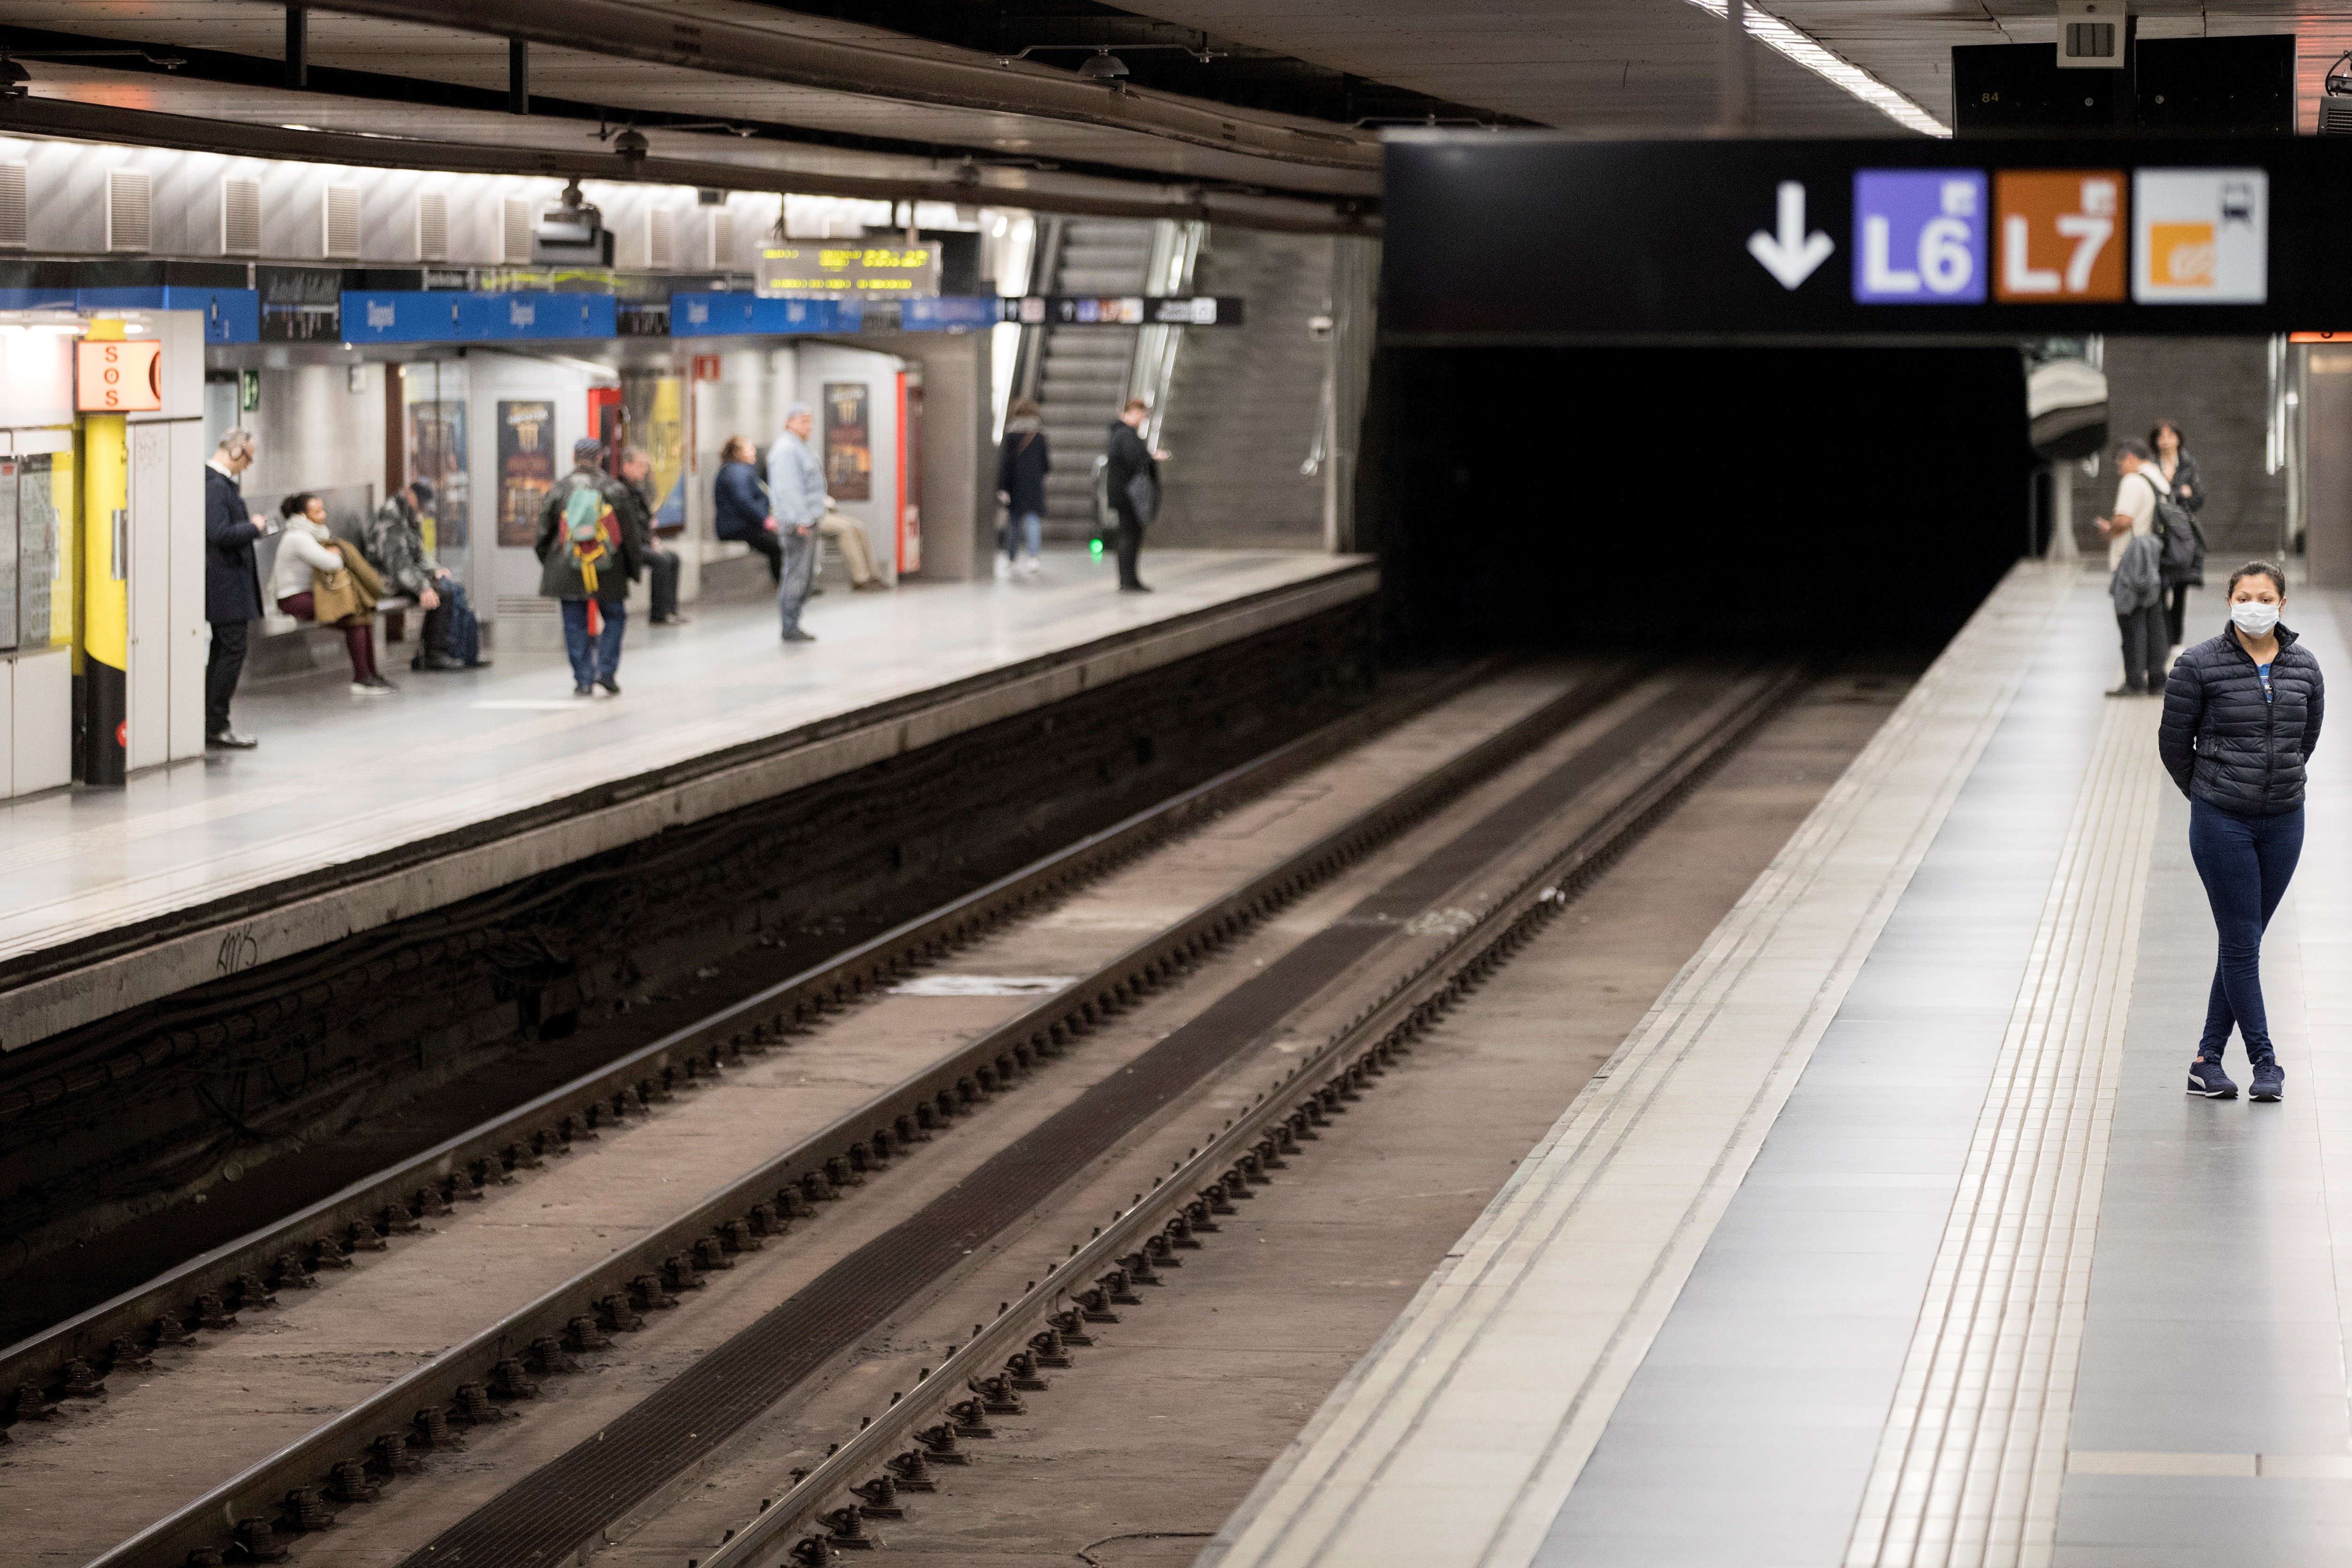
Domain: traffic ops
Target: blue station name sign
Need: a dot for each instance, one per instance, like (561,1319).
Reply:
(1534,237)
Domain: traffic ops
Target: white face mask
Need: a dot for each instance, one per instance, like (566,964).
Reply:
(2253,617)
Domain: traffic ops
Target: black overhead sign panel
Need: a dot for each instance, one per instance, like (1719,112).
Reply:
(1537,237)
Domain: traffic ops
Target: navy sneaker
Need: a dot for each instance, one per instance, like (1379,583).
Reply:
(2270,1081)
(2208,1078)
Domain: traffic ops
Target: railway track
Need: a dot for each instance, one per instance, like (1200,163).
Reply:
(1515,865)
(313,1243)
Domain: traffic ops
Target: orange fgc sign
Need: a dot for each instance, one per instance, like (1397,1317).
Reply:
(2061,236)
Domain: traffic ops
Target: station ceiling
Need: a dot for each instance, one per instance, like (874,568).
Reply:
(1248,110)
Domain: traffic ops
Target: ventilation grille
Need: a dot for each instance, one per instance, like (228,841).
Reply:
(660,225)
(514,231)
(338,222)
(240,217)
(432,225)
(130,210)
(12,205)
(723,239)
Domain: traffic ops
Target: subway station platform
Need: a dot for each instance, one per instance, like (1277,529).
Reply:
(355,812)
(1889,1239)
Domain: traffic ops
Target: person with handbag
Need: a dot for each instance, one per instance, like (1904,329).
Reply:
(315,583)
(1133,472)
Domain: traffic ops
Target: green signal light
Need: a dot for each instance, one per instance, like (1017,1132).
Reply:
(1094,549)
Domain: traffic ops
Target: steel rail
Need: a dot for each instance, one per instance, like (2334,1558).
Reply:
(469,1377)
(491,1150)
(1370,1036)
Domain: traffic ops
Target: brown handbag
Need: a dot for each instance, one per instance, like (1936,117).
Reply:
(333,597)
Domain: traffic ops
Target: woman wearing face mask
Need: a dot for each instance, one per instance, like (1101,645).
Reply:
(2241,717)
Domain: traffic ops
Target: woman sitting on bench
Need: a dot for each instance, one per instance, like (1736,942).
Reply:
(310,566)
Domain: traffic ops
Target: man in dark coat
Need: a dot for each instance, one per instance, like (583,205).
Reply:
(1130,458)
(232,584)
(637,473)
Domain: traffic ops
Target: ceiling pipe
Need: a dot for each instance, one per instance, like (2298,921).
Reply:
(146,128)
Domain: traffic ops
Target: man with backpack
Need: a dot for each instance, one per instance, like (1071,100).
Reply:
(2134,562)
(588,557)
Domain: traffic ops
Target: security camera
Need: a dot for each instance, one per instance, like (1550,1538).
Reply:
(631,145)
(13,78)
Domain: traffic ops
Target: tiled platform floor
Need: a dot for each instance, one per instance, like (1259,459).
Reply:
(1890,1239)
(340,778)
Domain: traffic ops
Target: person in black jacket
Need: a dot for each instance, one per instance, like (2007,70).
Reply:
(2182,471)
(1131,458)
(232,584)
(1022,464)
(2242,715)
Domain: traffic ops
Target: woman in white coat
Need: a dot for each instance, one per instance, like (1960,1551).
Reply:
(307,551)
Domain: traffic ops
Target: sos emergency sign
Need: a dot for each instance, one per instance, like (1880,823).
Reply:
(118,377)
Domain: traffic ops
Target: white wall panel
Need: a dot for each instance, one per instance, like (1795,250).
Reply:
(148,661)
(190,639)
(40,751)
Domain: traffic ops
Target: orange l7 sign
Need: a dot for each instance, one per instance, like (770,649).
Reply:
(2060,235)
(118,377)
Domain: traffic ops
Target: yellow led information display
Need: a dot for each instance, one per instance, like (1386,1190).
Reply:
(848,269)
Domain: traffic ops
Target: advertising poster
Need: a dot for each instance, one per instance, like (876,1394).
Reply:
(657,406)
(526,468)
(436,454)
(848,442)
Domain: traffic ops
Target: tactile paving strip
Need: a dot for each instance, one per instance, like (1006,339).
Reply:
(1974,1452)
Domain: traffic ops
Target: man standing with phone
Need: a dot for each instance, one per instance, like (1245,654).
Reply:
(1133,476)
(232,584)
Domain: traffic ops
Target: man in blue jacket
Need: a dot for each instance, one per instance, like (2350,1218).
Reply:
(232,584)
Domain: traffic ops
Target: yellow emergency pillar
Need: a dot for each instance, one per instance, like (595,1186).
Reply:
(105,561)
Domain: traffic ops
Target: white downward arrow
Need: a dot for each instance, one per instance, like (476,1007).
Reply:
(1793,253)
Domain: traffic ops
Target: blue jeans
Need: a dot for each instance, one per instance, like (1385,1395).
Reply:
(797,574)
(2246,862)
(600,659)
(1028,527)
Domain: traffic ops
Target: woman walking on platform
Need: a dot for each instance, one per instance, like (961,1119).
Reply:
(2242,716)
(2182,471)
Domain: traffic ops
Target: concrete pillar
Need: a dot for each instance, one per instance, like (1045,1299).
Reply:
(2327,466)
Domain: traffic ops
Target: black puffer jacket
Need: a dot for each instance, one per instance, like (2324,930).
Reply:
(2222,743)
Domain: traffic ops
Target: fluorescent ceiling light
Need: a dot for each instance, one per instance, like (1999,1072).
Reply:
(1838,71)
